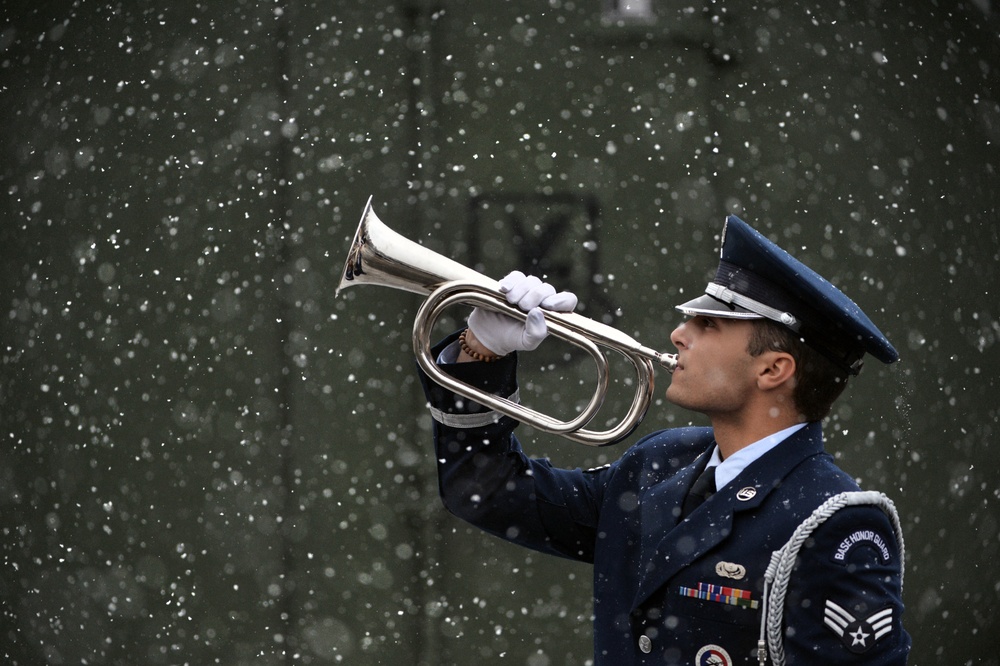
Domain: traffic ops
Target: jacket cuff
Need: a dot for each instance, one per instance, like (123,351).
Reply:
(498,378)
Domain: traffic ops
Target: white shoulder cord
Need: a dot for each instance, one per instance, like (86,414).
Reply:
(782,560)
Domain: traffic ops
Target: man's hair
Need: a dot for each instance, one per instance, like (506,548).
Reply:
(818,382)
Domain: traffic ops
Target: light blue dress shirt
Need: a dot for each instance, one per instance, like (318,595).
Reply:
(730,468)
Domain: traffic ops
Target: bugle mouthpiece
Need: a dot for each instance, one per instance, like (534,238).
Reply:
(668,362)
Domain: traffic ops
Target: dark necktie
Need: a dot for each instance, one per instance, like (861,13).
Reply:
(703,488)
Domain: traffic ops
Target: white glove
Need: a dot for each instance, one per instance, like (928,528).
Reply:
(502,334)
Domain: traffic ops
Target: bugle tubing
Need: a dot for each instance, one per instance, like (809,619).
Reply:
(380,256)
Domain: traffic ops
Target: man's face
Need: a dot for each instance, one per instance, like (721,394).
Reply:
(715,374)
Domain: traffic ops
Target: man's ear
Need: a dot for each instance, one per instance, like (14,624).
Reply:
(777,369)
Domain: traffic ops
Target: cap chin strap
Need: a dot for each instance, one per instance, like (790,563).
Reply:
(727,295)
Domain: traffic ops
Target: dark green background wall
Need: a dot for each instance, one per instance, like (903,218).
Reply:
(207,458)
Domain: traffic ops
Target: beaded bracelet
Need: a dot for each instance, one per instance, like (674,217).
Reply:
(472,352)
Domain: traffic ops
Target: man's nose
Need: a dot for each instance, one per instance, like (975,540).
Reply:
(678,337)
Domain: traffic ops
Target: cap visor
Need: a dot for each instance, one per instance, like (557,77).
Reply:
(713,307)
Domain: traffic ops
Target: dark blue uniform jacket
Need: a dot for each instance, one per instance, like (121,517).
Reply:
(672,591)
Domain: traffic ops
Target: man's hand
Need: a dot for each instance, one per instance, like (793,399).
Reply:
(496,334)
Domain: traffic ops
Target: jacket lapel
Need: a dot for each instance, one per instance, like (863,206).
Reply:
(669,545)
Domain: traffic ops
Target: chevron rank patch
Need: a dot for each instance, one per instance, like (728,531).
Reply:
(858,634)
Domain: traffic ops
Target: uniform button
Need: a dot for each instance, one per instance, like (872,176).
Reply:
(645,645)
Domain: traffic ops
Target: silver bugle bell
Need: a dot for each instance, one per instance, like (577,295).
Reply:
(380,256)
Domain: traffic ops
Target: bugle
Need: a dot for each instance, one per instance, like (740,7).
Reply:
(380,256)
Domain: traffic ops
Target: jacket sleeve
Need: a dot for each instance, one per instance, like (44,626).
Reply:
(486,479)
(844,602)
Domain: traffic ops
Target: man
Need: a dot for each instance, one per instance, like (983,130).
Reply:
(679,556)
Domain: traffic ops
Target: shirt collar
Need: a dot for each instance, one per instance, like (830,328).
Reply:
(728,469)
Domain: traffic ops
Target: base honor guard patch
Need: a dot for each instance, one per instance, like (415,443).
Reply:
(721,594)
(857,634)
